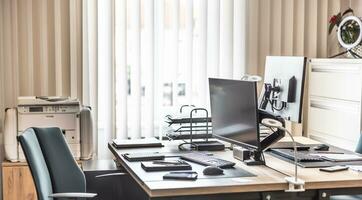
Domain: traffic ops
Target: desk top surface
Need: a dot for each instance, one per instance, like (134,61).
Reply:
(269,178)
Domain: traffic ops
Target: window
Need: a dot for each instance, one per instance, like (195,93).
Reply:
(164,52)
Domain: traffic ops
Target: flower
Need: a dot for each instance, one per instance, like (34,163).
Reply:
(336,19)
(333,19)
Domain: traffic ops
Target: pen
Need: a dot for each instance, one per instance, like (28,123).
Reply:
(169,162)
(328,152)
(183,172)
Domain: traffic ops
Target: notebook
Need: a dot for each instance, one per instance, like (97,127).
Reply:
(136,143)
(165,166)
(143,156)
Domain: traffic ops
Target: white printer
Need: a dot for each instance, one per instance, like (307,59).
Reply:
(74,120)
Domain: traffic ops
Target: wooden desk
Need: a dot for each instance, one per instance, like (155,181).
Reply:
(268,184)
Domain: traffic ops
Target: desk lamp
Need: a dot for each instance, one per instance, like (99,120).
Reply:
(248,77)
(349,43)
(295,184)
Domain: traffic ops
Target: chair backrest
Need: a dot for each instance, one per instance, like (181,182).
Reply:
(37,164)
(359,145)
(65,174)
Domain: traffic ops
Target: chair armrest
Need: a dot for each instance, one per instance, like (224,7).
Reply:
(111,174)
(73,195)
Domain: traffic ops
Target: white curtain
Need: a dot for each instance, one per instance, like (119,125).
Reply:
(165,51)
(98,69)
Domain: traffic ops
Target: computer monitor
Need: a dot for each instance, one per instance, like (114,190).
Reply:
(234,111)
(282,92)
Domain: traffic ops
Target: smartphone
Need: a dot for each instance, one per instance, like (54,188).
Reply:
(181,175)
(334,168)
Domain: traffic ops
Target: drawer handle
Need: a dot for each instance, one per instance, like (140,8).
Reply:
(333,108)
(354,70)
(324,107)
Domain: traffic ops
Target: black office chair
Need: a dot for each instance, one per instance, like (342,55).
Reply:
(55,172)
(351,197)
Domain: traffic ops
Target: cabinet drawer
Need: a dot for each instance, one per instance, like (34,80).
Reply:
(338,82)
(18,183)
(340,120)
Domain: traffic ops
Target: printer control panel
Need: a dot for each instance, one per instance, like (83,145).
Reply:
(48,109)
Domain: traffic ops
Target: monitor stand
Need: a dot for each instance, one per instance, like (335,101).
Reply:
(256,159)
(210,145)
(249,157)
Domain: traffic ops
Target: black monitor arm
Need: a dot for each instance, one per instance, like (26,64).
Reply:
(273,137)
(257,157)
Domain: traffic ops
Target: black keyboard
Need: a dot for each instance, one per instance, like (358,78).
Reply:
(301,156)
(206,160)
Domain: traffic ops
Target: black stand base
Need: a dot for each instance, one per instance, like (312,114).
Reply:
(254,162)
(256,159)
(209,146)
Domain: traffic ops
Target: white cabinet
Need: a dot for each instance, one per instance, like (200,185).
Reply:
(334,101)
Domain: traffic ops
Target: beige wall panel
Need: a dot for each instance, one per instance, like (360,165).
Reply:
(252,41)
(23,54)
(75,48)
(332,45)
(58,62)
(345,4)
(8,65)
(65,37)
(287,27)
(299,27)
(2,86)
(263,33)
(43,47)
(357,6)
(322,30)
(310,37)
(276,27)
(36,46)
(51,48)
(30,48)
(15,48)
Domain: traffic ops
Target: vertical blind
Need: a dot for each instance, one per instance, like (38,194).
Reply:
(165,50)
(40,50)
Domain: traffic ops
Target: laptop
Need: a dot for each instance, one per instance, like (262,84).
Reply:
(289,145)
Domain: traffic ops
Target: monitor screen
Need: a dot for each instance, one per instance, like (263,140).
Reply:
(234,111)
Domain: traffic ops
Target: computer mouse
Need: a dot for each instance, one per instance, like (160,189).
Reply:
(321,147)
(213,170)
